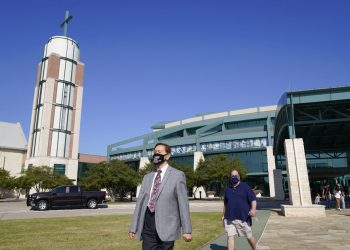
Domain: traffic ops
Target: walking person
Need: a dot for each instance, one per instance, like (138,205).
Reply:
(239,207)
(328,197)
(322,192)
(162,208)
(337,193)
(342,199)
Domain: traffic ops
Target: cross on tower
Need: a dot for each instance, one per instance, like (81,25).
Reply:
(64,25)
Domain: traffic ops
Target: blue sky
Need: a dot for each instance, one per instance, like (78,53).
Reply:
(151,61)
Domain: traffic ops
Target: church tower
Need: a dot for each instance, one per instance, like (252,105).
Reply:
(55,121)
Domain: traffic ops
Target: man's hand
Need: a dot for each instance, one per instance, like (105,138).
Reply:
(187,237)
(132,235)
(252,213)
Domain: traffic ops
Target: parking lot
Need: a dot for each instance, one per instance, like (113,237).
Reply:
(19,210)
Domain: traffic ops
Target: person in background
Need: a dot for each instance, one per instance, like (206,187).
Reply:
(342,199)
(239,207)
(337,192)
(317,199)
(328,197)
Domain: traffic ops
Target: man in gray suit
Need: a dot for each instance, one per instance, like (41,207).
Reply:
(162,207)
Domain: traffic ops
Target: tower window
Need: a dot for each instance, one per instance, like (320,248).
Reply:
(59,168)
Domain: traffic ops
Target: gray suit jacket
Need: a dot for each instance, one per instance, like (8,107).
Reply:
(172,209)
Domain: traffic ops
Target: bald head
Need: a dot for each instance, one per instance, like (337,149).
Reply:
(234,172)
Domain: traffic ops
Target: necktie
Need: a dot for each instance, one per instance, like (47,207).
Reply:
(155,189)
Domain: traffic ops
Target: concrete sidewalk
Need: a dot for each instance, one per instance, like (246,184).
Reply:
(330,232)
(240,242)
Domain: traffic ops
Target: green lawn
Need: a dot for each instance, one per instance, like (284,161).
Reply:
(94,232)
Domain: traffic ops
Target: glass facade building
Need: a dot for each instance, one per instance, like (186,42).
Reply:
(244,134)
(321,117)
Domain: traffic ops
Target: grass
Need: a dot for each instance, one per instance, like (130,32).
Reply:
(94,232)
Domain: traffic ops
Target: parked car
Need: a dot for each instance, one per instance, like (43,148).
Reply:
(66,196)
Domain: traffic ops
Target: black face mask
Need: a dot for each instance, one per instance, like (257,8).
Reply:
(234,180)
(158,158)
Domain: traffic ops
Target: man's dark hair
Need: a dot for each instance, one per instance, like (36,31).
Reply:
(167,148)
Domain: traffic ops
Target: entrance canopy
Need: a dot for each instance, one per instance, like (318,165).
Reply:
(322,118)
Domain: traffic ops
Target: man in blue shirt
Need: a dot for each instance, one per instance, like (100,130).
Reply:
(239,208)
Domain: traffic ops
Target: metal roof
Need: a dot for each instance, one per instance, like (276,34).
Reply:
(202,129)
(321,117)
(12,136)
(213,115)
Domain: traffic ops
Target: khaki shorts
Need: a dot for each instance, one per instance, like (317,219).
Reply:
(237,227)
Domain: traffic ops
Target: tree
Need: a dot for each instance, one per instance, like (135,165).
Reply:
(213,169)
(188,171)
(5,183)
(149,167)
(117,177)
(21,185)
(94,177)
(43,178)
(218,168)
(200,177)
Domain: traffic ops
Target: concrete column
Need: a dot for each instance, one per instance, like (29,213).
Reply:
(2,161)
(72,170)
(197,156)
(271,166)
(200,192)
(299,187)
(298,180)
(279,192)
(143,162)
(46,117)
(275,176)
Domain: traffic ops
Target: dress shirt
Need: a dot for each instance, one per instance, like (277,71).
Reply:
(161,179)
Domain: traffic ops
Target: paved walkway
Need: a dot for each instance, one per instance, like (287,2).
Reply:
(330,232)
(241,243)
(19,210)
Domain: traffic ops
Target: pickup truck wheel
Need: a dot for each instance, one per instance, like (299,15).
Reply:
(42,205)
(92,203)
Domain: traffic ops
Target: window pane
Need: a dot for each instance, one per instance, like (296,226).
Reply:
(59,168)
(54,143)
(68,73)
(74,73)
(62,69)
(60,190)
(73,189)
(59,92)
(61,144)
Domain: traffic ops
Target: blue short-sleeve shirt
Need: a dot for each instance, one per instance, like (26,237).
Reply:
(238,202)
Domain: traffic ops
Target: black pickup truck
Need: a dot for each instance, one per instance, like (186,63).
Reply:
(66,196)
